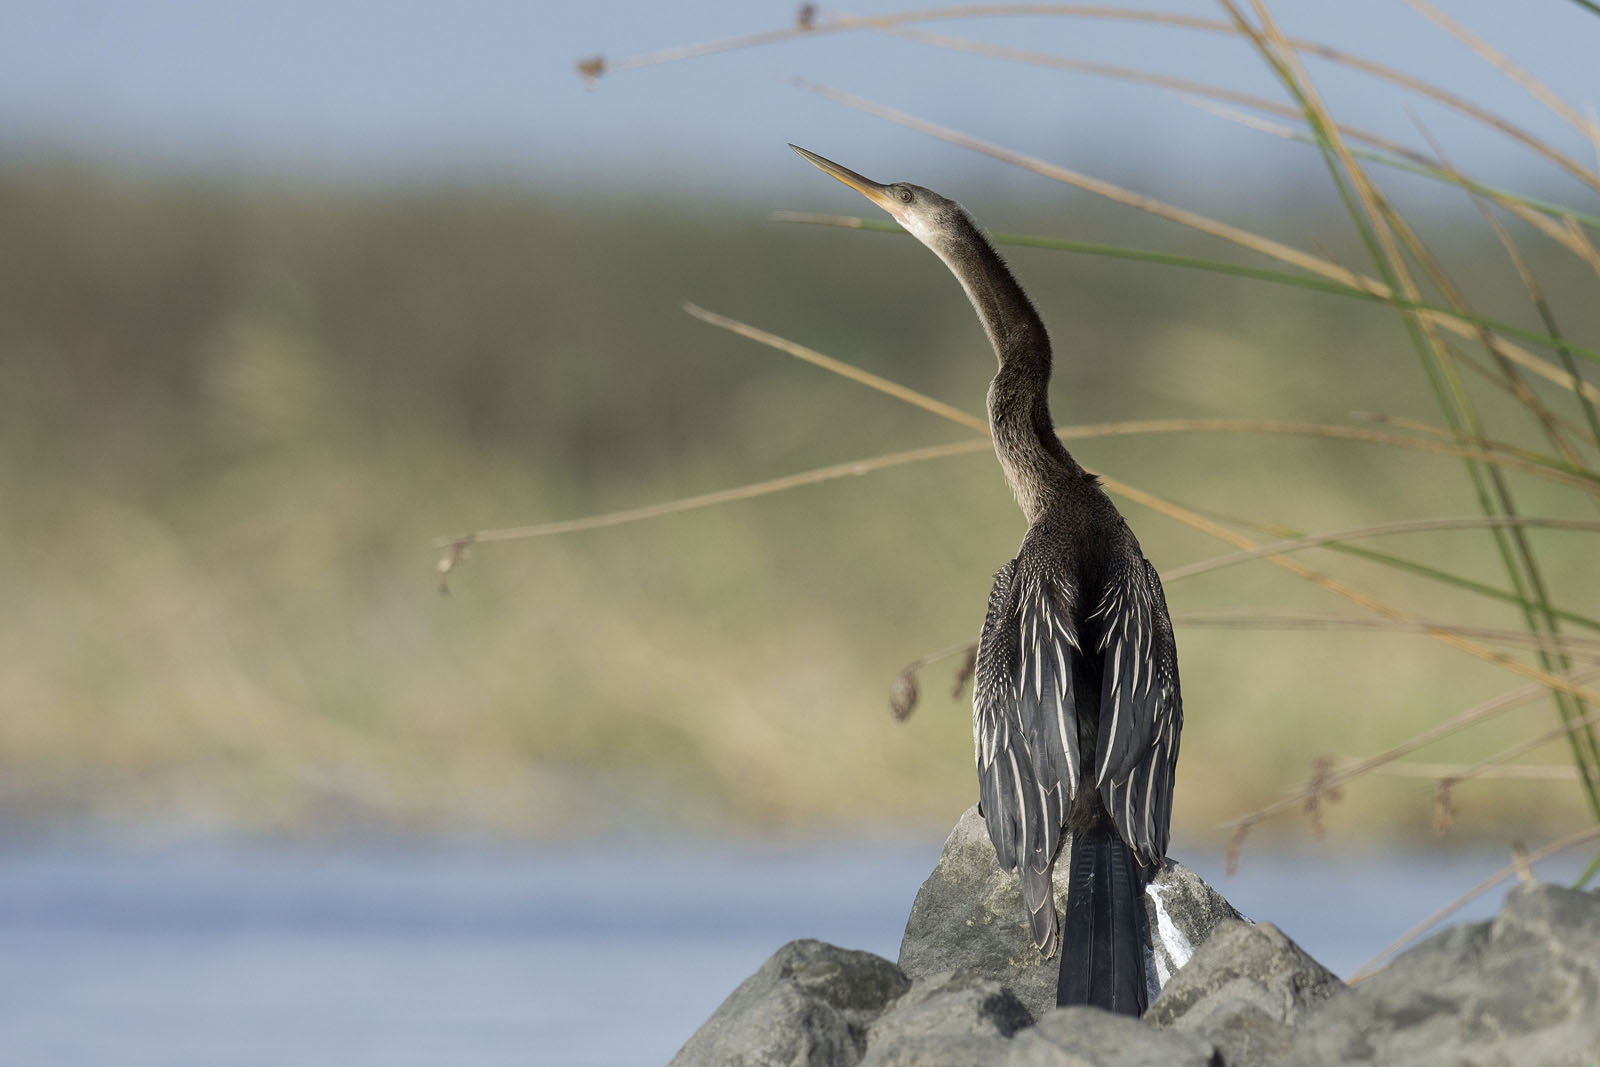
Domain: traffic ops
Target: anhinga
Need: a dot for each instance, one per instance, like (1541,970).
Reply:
(1075,705)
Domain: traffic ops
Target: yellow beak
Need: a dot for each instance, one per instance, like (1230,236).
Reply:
(878,193)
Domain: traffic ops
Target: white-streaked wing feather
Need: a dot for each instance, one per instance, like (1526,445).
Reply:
(1047,712)
(1025,730)
(1141,709)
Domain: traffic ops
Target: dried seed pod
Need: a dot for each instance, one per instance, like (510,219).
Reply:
(1444,806)
(903,695)
(964,673)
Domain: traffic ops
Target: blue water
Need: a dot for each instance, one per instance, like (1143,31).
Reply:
(225,954)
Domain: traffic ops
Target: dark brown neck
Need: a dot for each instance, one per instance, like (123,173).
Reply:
(1035,461)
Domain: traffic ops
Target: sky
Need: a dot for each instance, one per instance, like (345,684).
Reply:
(375,91)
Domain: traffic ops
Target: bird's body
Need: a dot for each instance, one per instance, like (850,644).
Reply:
(1076,704)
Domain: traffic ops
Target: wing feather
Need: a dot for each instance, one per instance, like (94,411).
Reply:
(1025,730)
(1046,710)
(1141,707)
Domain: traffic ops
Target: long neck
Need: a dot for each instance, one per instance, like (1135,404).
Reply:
(1035,462)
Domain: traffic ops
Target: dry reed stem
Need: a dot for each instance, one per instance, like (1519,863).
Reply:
(1488,709)
(1152,426)
(1386,223)
(1194,220)
(1068,433)
(1455,772)
(1591,255)
(1275,48)
(845,23)
(1205,90)
(1530,285)
(1564,377)
(1286,132)
(1494,381)
(1563,229)
(1384,226)
(1418,426)
(1523,358)
(1501,62)
(1295,544)
(841,23)
(1508,370)
(1433,429)
(1318,265)
(1486,453)
(1552,425)
(841,368)
(1561,844)
(1484,371)
(454,544)
(1355,595)
(1282,621)
(1258,619)
(1114,485)
(1559,228)
(1455,103)
(1511,752)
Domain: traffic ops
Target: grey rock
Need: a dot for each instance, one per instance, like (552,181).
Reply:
(969,916)
(808,1006)
(1246,990)
(1520,991)
(939,1050)
(956,1005)
(1089,1037)
(1184,914)
(1523,990)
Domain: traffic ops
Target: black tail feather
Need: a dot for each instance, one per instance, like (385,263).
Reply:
(1105,936)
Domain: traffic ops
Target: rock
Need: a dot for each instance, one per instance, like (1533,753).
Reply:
(1523,989)
(958,1050)
(950,1018)
(1080,1036)
(1246,990)
(1184,914)
(969,916)
(808,1006)
(956,1003)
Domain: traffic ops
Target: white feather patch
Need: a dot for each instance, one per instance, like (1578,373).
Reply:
(1175,947)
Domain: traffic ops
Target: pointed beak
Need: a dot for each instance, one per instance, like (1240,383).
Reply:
(879,194)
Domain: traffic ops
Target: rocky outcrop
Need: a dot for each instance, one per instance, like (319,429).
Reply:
(956,1019)
(969,916)
(1523,990)
(1090,1037)
(810,1004)
(1248,990)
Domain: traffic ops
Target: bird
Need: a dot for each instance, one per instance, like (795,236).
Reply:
(1076,706)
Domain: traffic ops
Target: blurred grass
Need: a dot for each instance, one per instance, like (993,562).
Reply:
(232,421)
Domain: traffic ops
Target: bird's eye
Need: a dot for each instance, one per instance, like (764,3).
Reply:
(905,196)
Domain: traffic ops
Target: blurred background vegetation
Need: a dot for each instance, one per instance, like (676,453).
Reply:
(235,420)
(235,416)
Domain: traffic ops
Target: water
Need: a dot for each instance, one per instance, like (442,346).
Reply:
(224,954)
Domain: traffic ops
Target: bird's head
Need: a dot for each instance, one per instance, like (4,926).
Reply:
(925,214)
